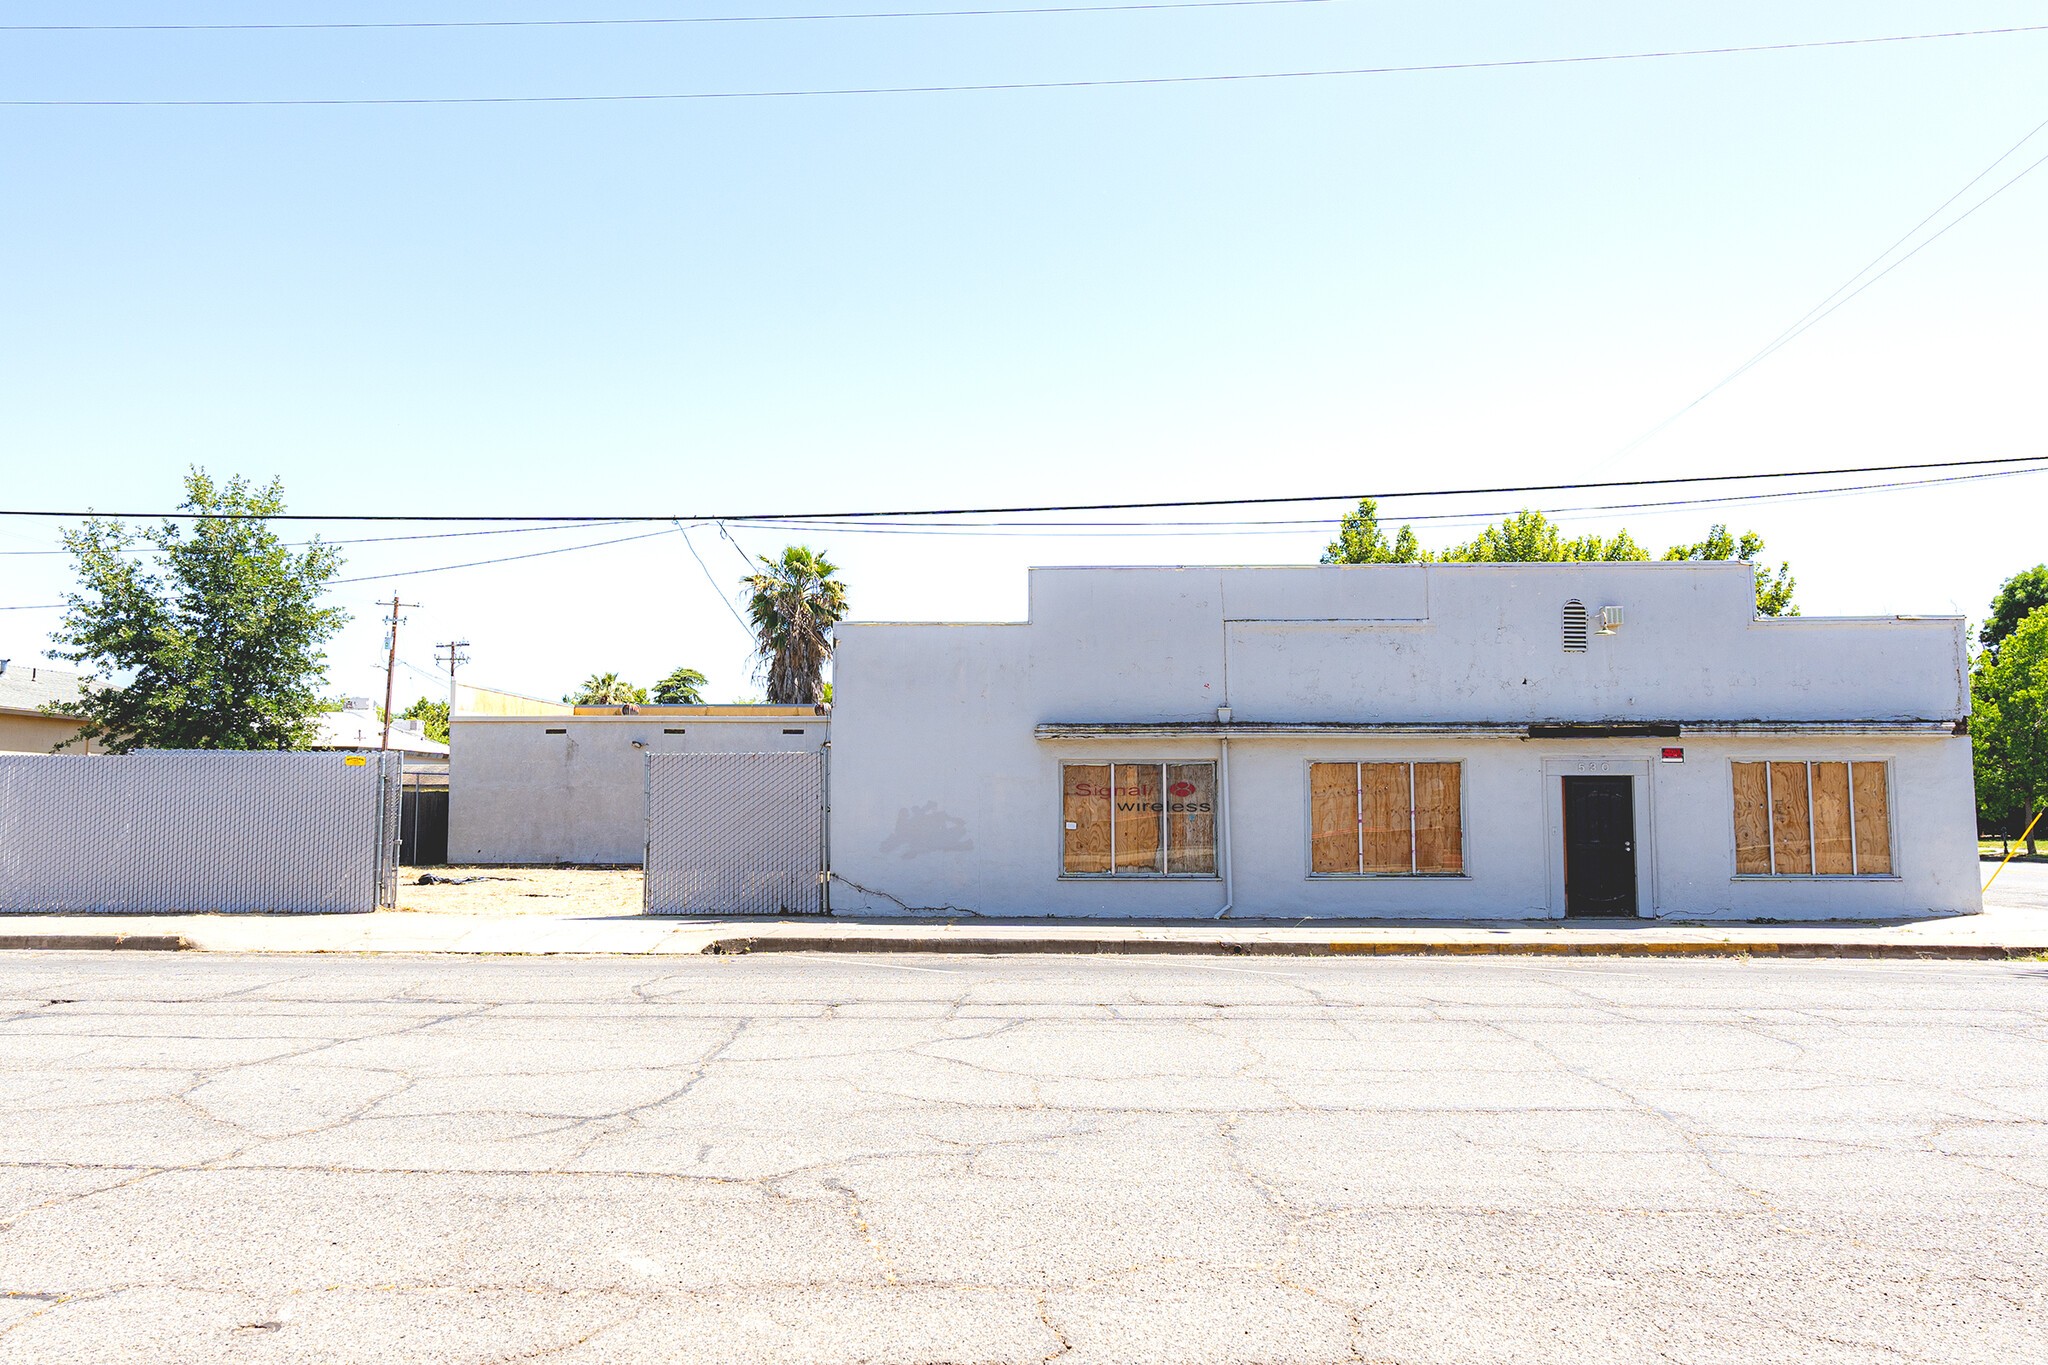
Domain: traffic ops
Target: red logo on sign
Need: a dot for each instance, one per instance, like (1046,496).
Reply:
(1182,789)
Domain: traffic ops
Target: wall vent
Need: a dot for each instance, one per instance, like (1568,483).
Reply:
(1575,627)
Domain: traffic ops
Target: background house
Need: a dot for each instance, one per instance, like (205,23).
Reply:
(358,726)
(25,728)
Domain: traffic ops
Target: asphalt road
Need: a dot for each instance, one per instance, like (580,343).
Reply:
(816,1159)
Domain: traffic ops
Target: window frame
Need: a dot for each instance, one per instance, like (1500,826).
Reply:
(1308,823)
(1891,790)
(1059,797)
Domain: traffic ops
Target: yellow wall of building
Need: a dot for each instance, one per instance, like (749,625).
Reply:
(485,701)
(23,732)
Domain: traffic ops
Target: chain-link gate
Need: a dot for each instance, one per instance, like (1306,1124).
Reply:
(169,832)
(735,834)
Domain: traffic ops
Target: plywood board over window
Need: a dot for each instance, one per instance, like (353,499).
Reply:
(1191,818)
(1439,819)
(1752,820)
(1834,852)
(1791,827)
(1385,819)
(1138,819)
(1140,805)
(1873,815)
(1086,806)
(1827,818)
(1333,817)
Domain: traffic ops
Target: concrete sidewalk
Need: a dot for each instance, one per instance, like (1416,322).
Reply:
(2015,924)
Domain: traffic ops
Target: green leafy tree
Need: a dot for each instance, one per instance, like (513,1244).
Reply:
(2019,597)
(1360,540)
(1529,537)
(796,602)
(684,687)
(214,638)
(607,689)
(2009,724)
(1773,592)
(435,716)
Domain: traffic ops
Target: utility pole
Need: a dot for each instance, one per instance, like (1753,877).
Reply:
(455,657)
(393,621)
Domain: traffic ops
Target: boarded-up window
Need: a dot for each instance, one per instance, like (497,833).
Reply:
(1385,819)
(1387,823)
(1333,817)
(1087,818)
(1439,820)
(1872,812)
(1752,820)
(1791,828)
(1138,819)
(1825,819)
(1191,818)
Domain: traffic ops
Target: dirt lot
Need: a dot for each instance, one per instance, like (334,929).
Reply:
(525,891)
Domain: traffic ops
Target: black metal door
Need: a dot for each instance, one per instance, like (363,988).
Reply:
(423,827)
(1599,846)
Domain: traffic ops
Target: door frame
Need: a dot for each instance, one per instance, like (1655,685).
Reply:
(1643,797)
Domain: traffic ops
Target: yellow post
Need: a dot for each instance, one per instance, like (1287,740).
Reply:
(2021,840)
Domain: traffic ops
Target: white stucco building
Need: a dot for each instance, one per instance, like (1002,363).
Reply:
(571,787)
(1513,740)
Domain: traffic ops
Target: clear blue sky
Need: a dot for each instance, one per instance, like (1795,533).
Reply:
(1210,290)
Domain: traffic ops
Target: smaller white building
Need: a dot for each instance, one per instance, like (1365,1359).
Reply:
(572,788)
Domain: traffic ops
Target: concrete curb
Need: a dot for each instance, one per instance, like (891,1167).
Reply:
(1367,948)
(153,943)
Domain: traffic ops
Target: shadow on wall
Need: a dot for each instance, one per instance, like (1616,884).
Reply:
(927,829)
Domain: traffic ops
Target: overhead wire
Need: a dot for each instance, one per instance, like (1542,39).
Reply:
(648,22)
(502,559)
(870,514)
(1055,530)
(1827,306)
(712,581)
(1294,525)
(362,540)
(1424,68)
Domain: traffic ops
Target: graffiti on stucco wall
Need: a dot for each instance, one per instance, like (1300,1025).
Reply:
(927,829)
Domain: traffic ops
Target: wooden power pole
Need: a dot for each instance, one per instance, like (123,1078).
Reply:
(455,659)
(391,661)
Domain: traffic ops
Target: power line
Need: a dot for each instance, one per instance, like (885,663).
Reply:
(1820,311)
(655,22)
(665,97)
(362,540)
(1288,527)
(685,532)
(1291,526)
(504,559)
(1354,496)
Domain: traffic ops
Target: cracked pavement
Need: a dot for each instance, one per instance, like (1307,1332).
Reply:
(934,1160)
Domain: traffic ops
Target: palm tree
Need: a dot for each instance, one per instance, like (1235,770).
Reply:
(684,687)
(796,603)
(606,689)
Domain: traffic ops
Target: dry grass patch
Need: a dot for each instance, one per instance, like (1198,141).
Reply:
(525,891)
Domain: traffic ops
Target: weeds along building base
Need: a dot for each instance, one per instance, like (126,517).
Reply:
(1502,741)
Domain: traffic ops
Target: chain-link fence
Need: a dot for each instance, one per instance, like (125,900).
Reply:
(199,832)
(735,834)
